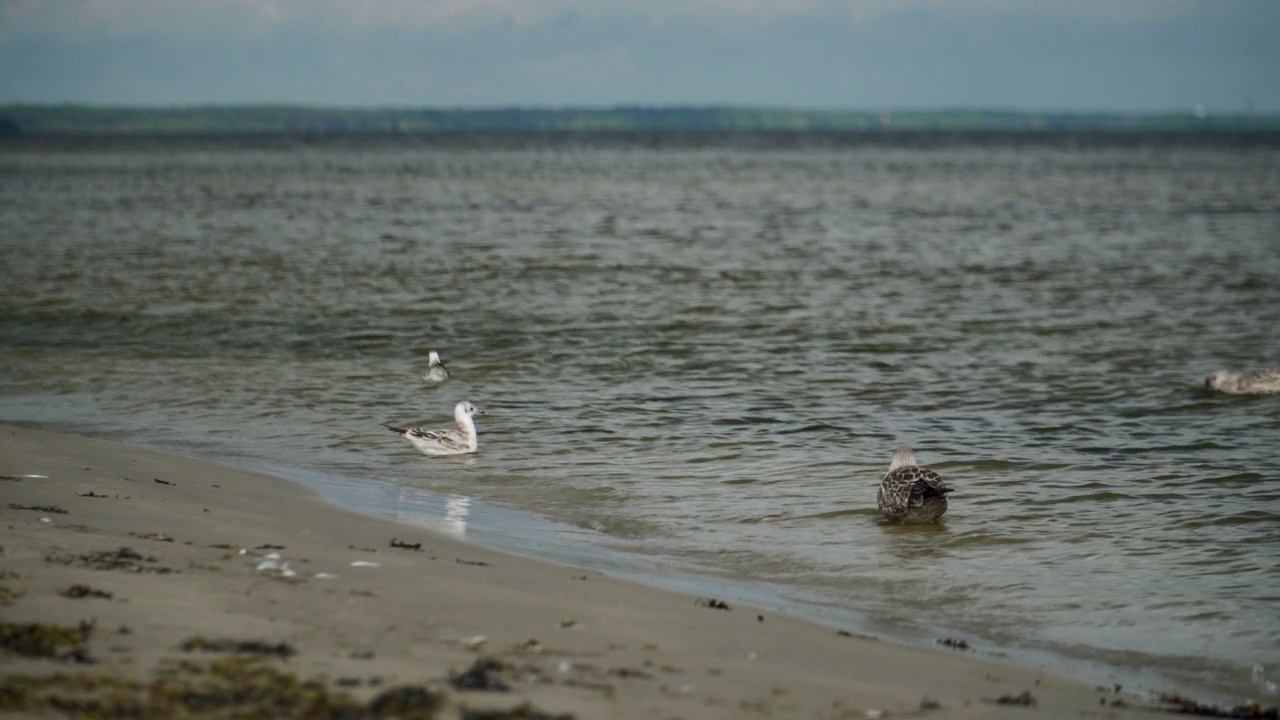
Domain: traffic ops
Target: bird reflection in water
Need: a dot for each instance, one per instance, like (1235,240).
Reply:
(456,510)
(416,507)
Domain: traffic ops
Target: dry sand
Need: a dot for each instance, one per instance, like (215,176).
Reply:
(565,641)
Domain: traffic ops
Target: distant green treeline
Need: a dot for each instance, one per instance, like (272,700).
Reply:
(86,120)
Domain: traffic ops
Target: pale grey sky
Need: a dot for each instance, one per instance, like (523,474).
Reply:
(862,54)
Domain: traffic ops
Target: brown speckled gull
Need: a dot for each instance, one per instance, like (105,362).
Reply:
(910,493)
(1257,382)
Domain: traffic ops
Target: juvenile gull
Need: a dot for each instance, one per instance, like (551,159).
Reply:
(436,371)
(910,493)
(448,441)
(1257,382)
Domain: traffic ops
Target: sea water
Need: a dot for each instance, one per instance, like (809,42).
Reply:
(697,353)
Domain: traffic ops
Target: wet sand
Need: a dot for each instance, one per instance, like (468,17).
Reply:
(159,558)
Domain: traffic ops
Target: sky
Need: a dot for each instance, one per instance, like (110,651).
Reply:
(1041,55)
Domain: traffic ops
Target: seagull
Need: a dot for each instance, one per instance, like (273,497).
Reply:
(910,493)
(444,442)
(436,371)
(1258,382)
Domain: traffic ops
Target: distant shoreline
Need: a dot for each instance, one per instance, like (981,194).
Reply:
(42,120)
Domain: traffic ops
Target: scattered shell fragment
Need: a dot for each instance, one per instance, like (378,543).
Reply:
(273,563)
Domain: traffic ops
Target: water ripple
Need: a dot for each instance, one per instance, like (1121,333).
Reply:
(705,353)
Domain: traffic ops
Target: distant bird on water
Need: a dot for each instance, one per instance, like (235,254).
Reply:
(448,441)
(1257,382)
(911,494)
(436,371)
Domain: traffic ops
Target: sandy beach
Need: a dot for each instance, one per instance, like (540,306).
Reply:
(133,582)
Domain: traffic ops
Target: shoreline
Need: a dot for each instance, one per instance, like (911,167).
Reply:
(365,605)
(525,534)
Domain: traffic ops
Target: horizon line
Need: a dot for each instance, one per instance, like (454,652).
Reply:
(1197,110)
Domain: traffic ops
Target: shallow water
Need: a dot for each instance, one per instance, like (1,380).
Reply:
(700,352)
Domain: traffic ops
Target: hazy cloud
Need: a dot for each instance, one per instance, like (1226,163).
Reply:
(81,19)
(593,68)
(1042,54)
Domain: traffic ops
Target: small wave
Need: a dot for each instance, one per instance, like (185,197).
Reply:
(835,514)
(589,430)
(368,339)
(745,420)
(713,458)
(982,538)
(1245,518)
(1187,447)
(1105,496)
(771,517)
(1245,478)
(813,427)
(1207,615)
(619,527)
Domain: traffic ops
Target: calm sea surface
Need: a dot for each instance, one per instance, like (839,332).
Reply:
(697,354)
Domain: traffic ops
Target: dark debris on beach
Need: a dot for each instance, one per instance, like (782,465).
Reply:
(39,508)
(247,647)
(46,640)
(123,558)
(1181,705)
(158,537)
(1023,698)
(524,711)
(78,592)
(484,674)
(233,686)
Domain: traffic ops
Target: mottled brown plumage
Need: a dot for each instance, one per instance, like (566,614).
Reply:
(1257,382)
(910,493)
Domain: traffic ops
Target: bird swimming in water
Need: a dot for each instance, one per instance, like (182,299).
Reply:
(436,371)
(1257,382)
(437,443)
(911,494)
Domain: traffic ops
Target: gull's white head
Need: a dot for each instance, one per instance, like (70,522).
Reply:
(1221,380)
(904,457)
(464,411)
(433,359)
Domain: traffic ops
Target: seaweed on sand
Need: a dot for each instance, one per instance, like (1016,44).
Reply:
(235,686)
(46,640)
